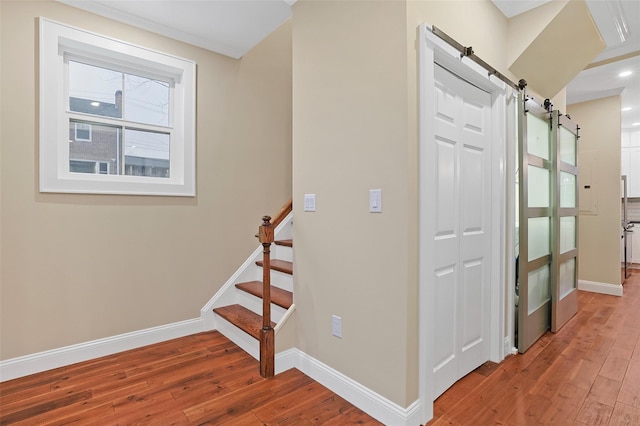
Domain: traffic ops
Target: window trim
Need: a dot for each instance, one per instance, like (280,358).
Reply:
(57,40)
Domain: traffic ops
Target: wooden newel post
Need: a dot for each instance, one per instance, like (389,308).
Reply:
(267,344)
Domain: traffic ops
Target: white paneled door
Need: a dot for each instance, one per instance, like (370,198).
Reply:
(462,238)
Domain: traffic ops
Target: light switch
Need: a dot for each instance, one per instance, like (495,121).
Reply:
(375,200)
(309,202)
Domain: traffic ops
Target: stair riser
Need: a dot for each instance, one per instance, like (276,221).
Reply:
(278,279)
(254,303)
(237,336)
(281,252)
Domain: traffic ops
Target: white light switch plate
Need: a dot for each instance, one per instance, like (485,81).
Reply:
(309,202)
(375,200)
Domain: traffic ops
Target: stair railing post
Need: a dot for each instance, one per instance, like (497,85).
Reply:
(267,344)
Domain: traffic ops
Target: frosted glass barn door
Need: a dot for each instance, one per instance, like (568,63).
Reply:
(537,192)
(564,138)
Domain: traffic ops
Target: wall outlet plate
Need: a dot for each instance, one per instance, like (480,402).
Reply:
(336,326)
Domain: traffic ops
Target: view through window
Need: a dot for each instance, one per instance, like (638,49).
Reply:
(127,123)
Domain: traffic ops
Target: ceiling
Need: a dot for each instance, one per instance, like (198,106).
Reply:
(233,27)
(229,27)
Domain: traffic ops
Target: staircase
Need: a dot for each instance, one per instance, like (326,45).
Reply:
(239,308)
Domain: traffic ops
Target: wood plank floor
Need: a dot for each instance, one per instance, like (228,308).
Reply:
(586,374)
(202,379)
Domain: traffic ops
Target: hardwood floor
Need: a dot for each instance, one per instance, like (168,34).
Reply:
(202,379)
(586,374)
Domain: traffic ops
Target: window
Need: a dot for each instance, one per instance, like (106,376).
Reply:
(135,106)
(84,166)
(83,131)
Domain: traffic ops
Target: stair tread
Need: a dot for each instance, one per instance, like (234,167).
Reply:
(279,296)
(279,265)
(243,318)
(288,243)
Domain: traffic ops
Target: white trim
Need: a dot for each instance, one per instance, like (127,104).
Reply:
(286,360)
(369,401)
(432,50)
(284,318)
(603,288)
(47,360)
(246,342)
(57,40)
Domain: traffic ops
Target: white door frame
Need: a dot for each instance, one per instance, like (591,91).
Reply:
(432,49)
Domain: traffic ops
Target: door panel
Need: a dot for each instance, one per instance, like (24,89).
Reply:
(462,244)
(548,222)
(536,197)
(565,296)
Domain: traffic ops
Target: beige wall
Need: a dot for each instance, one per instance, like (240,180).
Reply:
(350,135)
(599,233)
(355,128)
(81,267)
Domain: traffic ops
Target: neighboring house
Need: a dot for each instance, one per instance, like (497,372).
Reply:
(98,148)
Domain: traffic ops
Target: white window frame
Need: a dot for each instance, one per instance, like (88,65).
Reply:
(89,128)
(60,40)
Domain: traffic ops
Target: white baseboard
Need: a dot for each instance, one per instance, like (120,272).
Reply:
(374,404)
(47,360)
(603,288)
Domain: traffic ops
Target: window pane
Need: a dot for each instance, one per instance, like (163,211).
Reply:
(82,166)
(537,136)
(539,289)
(98,153)
(94,90)
(567,146)
(567,233)
(538,187)
(145,100)
(567,277)
(567,190)
(146,153)
(538,237)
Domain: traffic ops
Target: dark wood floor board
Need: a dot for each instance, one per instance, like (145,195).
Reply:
(352,416)
(24,394)
(14,414)
(244,399)
(326,410)
(77,418)
(588,373)
(280,408)
(565,405)
(199,379)
(463,388)
(550,382)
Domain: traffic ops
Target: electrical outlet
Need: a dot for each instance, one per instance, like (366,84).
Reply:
(336,326)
